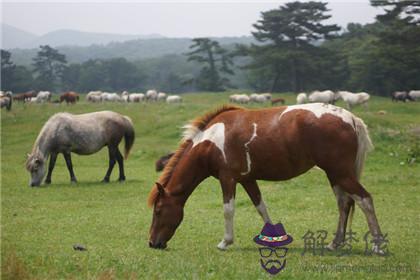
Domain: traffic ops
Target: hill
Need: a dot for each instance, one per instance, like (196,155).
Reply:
(131,50)
(13,37)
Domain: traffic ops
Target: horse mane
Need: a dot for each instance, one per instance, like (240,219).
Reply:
(190,130)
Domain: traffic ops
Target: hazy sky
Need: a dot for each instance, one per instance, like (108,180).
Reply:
(168,18)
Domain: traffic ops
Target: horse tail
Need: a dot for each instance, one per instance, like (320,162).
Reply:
(129,136)
(364,145)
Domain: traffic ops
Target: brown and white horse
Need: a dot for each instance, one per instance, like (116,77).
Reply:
(238,145)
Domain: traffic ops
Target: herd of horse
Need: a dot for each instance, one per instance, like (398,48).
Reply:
(234,145)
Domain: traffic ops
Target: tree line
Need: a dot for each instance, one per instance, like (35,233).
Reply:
(295,50)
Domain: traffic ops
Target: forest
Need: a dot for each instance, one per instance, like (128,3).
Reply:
(292,49)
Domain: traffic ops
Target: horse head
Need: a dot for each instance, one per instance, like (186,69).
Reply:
(167,215)
(35,164)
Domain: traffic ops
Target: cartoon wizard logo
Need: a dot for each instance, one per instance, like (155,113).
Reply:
(273,254)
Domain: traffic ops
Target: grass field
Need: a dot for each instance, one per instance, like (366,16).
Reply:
(39,226)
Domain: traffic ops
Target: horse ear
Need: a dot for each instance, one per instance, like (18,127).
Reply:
(160,188)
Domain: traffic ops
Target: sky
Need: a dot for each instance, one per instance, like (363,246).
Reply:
(169,18)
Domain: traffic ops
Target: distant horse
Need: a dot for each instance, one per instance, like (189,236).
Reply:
(173,99)
(326,96)
(6,100)
(414,94)
(237,145)
(151,95)
(163,161)
(24,96)
(84,135)
(354,99)
(277,100)
(401,96)
(43,96)
(301,98)
(70,97)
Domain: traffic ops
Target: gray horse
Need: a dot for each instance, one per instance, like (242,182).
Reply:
(83,134)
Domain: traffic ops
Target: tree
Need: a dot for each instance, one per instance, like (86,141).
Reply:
(216,60)
(288,39)
(49,66)
(7,69)
(14,78)
(398,44)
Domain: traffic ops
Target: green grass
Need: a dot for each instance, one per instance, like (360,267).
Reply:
(40,225)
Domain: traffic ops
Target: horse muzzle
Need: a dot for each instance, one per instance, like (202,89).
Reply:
(158,245)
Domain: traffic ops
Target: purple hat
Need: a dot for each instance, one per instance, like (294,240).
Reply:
(273,236)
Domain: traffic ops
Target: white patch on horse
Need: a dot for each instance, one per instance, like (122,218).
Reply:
(248,157)
(262,210)
(319,109)
(229,212)
(214,134)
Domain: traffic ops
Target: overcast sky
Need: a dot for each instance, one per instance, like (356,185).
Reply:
(168,18)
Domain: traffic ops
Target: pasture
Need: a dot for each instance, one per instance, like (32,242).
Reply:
(39,226)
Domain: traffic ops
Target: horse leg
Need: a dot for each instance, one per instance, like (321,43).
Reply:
(254,194)
(365,202)
(112,156)
(229,190)
(345,203)
(53,158)
(120,165)
(67,157)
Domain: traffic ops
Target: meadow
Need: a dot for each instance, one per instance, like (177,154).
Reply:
(39,226)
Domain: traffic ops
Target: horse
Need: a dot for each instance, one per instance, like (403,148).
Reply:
(301,98)
(111,97)
(414,95)
(173,99)
(326,96)
(277,100)
(83,134)
(400,96)
(353,99)
(70,97)
(237,145)
(161,96)
(151,95)
(162,162)
(135,97)
(239,98)
(6,100)
(94,96)
(24,96)
(43,96)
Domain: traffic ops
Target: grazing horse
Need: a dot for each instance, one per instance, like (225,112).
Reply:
(24,96)
(83,134)
(70,97)
(162,162)
(237,145)
(354,99)
(400,96)
(277,100)
(6,100)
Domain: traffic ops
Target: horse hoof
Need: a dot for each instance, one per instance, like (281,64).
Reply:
(223,245)
(47,182)
(105,181)
(121,179)
(332,246)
